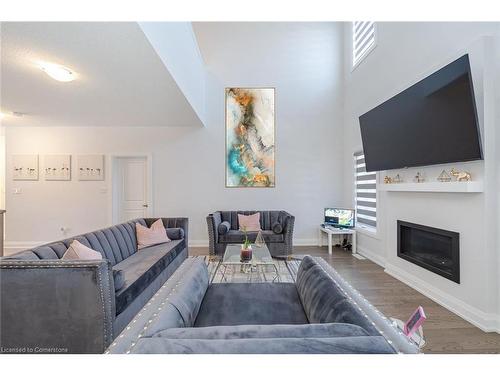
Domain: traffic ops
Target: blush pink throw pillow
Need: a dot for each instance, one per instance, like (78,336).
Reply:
(151,236)
(78,251)
(250,223)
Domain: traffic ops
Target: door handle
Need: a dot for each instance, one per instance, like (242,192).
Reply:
(145,205)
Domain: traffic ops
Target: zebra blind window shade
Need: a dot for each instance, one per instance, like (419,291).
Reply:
(365,194)
(363,40)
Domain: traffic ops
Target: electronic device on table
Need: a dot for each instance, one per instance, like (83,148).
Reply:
(339,217)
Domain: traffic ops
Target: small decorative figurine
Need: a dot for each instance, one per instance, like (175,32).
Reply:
(397,179)
(444,177)
(419,177)
(387,180)
(460,176)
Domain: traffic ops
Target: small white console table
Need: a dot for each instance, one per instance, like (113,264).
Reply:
(331,231)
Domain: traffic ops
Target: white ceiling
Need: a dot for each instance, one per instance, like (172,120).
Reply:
(121,80)
(280,47)
(297,58)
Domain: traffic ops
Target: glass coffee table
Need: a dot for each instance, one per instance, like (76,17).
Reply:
(261,262)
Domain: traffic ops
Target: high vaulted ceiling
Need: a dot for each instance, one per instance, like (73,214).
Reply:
(121,81)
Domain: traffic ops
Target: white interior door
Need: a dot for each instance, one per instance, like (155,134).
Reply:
(132,188)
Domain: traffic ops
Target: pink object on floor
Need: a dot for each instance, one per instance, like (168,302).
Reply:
(415,321)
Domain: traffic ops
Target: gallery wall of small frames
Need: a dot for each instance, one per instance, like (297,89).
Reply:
(57,167)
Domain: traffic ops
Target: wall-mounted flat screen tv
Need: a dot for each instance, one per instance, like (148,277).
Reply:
(432,122)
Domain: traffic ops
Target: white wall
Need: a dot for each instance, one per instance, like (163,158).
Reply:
(406,53)
(189,162)
(2,166)
(176,45)
(497,142)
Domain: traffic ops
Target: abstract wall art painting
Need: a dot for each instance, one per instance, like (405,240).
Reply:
(250,137)
(57,167)
(25,167)
(90,167)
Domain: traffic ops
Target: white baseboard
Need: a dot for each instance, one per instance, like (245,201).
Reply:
(12,247)
(374,257)
(359,256)
(485,321)
(296,242)
(198,243)
(305,242)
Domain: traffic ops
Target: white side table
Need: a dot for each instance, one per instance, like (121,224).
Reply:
(336,231)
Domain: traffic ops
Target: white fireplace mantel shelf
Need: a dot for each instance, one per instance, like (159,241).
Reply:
(435,187)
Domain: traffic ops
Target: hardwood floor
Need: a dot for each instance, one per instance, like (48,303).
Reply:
(445,331)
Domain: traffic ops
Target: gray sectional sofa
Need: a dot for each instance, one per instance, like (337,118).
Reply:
(63,306)
(277,230)
(319,313)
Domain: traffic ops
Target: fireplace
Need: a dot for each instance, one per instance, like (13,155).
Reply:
(436,250)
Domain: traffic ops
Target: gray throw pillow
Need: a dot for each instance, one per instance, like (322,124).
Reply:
(277,228)
(119,279)
(224,227)
(175,233)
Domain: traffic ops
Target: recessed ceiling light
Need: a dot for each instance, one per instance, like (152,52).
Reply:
(58,72)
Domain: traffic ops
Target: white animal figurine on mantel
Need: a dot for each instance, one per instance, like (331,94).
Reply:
(461,176)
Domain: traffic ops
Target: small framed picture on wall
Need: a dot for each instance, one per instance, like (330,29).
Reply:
(25,167)
(57,167)
(90,167)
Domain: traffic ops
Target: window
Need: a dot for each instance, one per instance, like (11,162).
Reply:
(365,194)
(363,40)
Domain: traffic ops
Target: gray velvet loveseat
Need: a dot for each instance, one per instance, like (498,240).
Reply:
(277,230)
(319,313)
(49,305)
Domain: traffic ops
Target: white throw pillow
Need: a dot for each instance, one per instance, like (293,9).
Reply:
(151,236)
(78,251)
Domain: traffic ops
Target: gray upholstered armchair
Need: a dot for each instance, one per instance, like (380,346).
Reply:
(277,230)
